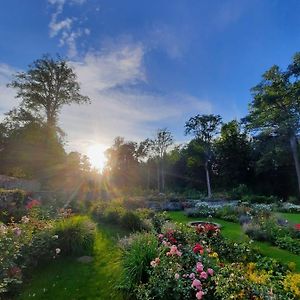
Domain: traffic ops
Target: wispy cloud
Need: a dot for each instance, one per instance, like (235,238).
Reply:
(66,28)
(123,104)
(174,42)
(115,80)
(7,95)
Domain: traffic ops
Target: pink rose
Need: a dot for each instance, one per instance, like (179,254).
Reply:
(177,276)
(199,267)
(192,276)
(196,284)
(210,271)
(203,275)
(199,295)
(155,262)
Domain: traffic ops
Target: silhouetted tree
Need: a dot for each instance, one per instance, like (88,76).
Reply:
(204,128)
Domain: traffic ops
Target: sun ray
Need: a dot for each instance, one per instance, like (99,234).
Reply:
(96,154)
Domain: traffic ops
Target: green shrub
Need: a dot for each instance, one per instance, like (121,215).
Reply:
(41,247)
(238,192)
(260,199)
(288,243)
(293,200)
(134,203)
(131,221)
(227,213)
(136,259)
(76,235)
(12,204)
(255,232)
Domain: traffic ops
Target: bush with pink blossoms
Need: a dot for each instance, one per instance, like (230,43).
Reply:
(188,264)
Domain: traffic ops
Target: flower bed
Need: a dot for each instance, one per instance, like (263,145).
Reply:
(35,240)
(197,263)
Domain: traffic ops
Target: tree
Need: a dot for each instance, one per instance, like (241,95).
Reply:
(204,128)
(46,87)
(122,162)
(275,108)
(32,148)
(233,155)
(160,144)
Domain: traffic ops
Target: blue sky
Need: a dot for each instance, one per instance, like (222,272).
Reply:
(149,64)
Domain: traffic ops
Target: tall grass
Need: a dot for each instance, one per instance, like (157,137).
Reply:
(76,235)
(136,260)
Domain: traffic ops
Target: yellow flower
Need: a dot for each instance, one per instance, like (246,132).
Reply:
(258,277)
(214,254)
(292,283)
(251,266)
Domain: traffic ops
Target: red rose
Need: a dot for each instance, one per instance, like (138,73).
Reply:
(198,249)
(297,227)
(32,204)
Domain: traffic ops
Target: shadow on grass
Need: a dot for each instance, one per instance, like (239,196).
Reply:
(67,278)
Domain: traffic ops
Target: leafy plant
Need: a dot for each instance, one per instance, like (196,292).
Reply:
(136,259)
(76,235)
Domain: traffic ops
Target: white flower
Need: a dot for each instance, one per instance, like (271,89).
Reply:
(3,229)
(25,219)
(57,250)
(55,237)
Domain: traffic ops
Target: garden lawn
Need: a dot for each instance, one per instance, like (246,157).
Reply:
(233,231)
(68,279)
(293,218)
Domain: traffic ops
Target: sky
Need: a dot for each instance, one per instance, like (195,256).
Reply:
(148,64)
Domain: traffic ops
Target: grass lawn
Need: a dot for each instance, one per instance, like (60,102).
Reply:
(68,279)
(234,232)
(293,218)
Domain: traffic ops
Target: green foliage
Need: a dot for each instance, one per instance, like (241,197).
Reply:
(288,243)
(142,249)
(260,199)
(238,192)
(76,235)
(134,203)
(46,86)
(131,221)
(65,278)
(12,204)
(275,110)
(233,156)
(115,213)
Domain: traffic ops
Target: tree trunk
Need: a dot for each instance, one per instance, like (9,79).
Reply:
(158,176)
(207,180)
(162,177)
(148,178)
(293,143)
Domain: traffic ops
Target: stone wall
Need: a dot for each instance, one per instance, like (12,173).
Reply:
(10,183)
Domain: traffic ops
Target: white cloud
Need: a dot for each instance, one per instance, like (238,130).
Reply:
(107,69)
(114,80)
(64,27)
(57,26)
(7,95)
(174,43)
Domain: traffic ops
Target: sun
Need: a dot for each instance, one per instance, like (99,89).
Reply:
(95,152)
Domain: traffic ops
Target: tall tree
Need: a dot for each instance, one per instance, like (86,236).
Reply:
(46,87)
(160,145)
(275,108)
(233,155)
(204,128)
(122,162)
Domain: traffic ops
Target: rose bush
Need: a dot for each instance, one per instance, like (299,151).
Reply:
(198,263)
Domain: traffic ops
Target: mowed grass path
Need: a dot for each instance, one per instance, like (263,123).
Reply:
(67,279)
(234,232)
